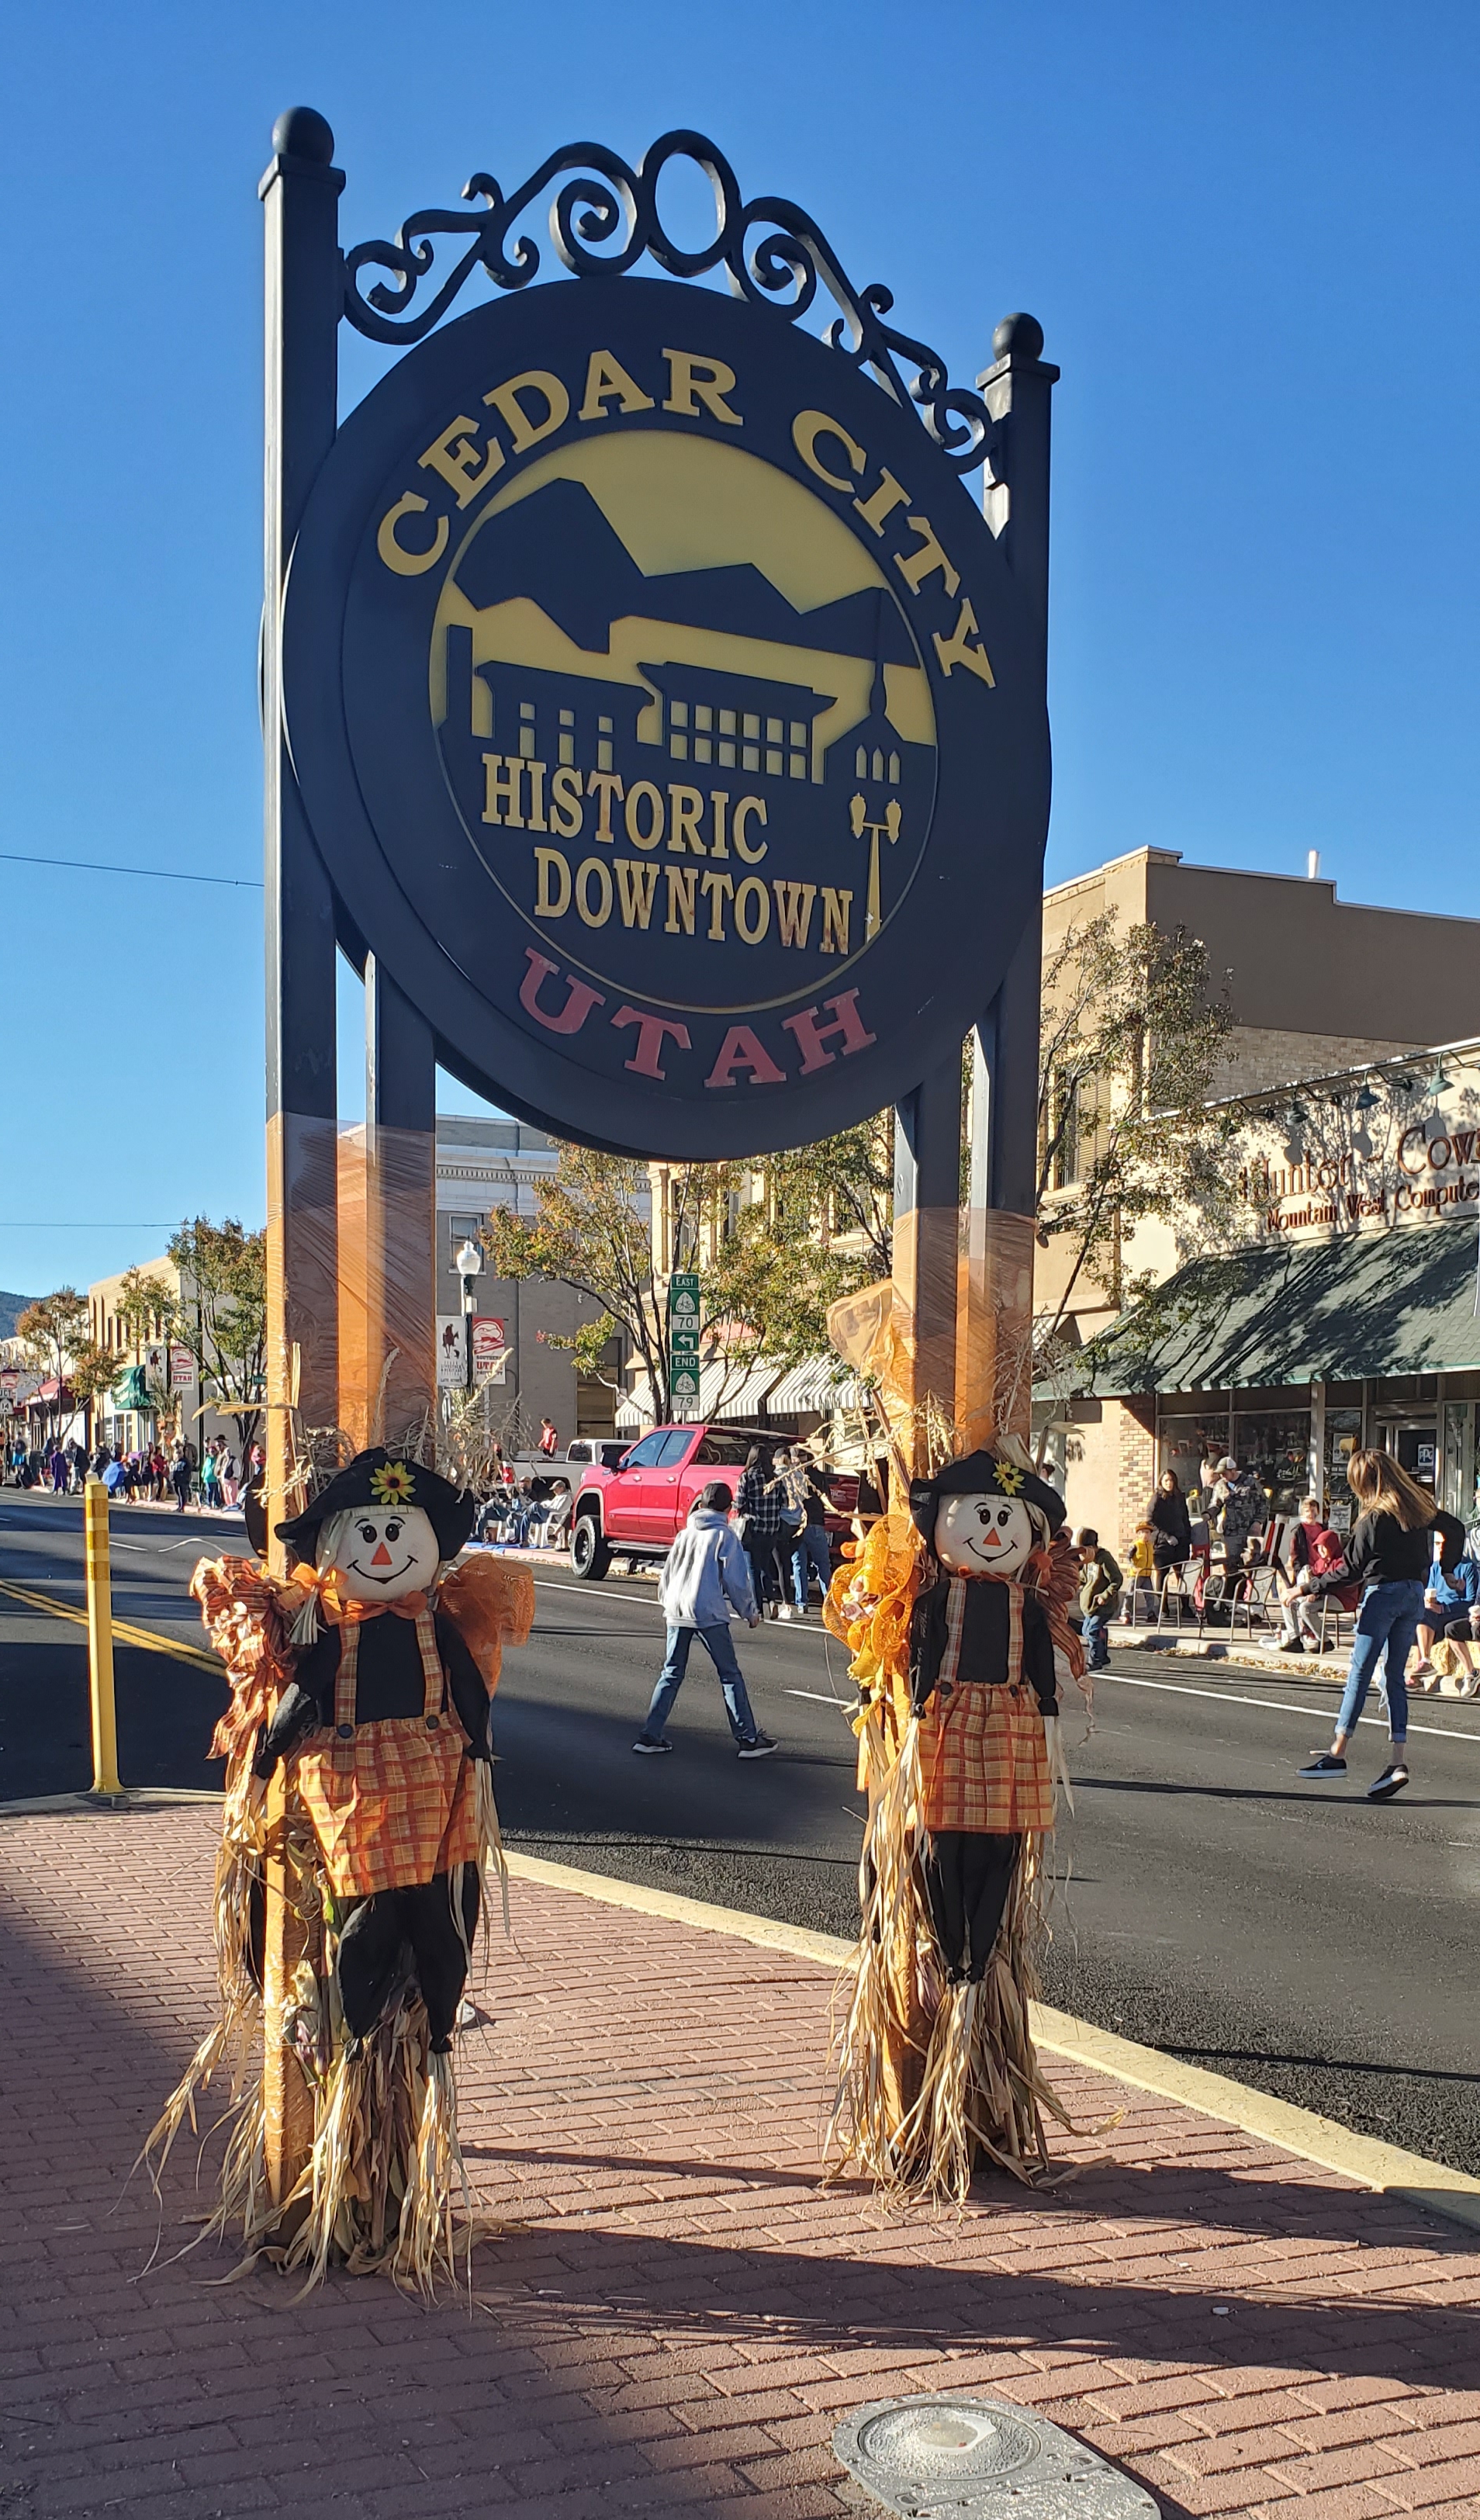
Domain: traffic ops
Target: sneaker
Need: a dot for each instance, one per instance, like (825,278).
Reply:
(772,1610)
(1327,1763)
(784,1612)
(647,1749)
(1422,1671)
(1291,1645)
(760,1748)
(1382,1788)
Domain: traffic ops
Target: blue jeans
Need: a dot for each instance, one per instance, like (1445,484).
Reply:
(810,1549)
(1387,1625)
(670,1680)
(1096,1652)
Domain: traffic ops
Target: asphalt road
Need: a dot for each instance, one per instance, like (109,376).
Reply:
(1289,1935)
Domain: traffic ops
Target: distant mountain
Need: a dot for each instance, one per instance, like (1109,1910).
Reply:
(558,549)
(11,1309)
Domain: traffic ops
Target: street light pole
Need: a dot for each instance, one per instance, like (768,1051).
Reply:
(468,1264)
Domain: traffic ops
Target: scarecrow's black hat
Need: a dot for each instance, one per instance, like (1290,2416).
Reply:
(383,1478)
(982,1475)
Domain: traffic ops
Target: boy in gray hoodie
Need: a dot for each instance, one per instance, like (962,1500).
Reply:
(705,1584)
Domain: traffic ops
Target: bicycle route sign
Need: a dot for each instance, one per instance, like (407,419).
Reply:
(684,1370)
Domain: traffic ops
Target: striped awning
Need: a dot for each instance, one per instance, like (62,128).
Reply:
(818,1382)
(1352,1309)
(729,1391)
(726,1391)
(637,1408)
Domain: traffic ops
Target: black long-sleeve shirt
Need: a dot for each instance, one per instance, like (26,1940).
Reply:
(388,1681)
(984,1642)
(1379,1551)
(1173,1525)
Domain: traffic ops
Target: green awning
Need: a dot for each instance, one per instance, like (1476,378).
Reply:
(1371,1305)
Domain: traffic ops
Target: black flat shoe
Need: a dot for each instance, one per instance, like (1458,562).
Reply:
(1327,1765)
(1391,1782)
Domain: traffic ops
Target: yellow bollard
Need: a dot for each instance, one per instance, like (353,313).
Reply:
(100,1641)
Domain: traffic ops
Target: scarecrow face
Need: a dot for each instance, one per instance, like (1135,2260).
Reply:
(387,1549)
(984,1535)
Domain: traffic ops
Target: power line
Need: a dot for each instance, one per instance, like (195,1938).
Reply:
(160,875)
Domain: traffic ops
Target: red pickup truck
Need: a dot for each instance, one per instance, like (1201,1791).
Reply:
(636,1510)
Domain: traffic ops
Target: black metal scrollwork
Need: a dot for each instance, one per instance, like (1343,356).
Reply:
(603,222)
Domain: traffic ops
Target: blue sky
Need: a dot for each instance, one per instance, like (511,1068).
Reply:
(1247,233)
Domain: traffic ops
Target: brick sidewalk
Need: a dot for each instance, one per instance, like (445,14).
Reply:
(676,2312)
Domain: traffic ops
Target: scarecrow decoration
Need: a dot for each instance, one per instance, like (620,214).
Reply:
(959,1628)
(365,1677)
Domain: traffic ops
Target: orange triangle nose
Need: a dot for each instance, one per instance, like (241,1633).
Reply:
(381,1557)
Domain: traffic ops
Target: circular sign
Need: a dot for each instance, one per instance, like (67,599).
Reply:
(666,717)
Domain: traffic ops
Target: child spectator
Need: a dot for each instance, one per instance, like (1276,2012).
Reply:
(1098,1595)
(1315,1550)
(1142,1596)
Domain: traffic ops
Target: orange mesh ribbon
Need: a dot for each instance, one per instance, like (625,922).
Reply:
(492,1603)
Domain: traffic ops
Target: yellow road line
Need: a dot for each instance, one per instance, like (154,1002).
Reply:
(126,1633)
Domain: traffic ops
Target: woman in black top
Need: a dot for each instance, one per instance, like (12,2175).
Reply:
(1171,1526)
(1389,1552)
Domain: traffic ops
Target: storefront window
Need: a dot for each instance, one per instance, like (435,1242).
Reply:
(1457,1492)
(1343,1439)
(1186,1443)
(1275,1445)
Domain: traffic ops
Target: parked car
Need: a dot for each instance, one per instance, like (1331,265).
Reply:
(637,1510)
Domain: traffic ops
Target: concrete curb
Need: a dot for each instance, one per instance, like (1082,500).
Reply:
(1383,2167)
(132,1798)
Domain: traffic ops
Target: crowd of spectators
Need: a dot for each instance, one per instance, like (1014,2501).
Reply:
(148,1474)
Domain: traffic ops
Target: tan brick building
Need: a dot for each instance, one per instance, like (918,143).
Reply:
(1322,992)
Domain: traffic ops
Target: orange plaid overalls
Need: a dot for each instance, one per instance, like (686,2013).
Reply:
(392,1802)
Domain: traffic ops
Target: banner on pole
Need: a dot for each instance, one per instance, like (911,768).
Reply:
(490,1349)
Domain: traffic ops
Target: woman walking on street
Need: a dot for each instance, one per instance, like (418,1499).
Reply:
(1389,1554)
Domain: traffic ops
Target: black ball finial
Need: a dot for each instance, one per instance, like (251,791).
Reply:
(301,132)
(1019,337)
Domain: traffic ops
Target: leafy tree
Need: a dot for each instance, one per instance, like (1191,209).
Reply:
(55,1329)
(770,1263)
(1132,1032)
(820,1228)
(222,1316)
(590,1232)
(92,1374)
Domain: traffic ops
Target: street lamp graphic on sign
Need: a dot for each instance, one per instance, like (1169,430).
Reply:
(889,830)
